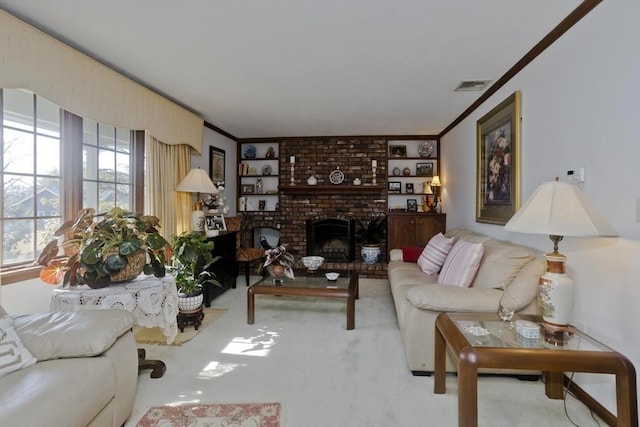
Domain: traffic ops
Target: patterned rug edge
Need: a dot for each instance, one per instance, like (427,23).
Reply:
(263,414)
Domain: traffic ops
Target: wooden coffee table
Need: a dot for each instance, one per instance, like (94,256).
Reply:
(503,348)
(307,284)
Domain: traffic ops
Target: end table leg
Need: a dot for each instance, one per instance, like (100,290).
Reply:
(554,384)
(467,389)
(250,306)
(626,397)
(439,370)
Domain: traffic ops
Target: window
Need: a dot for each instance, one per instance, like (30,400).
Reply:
(42,148)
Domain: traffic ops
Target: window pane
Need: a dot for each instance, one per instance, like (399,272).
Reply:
(107,134)
(44,232)
(18,196)
(48,202)
(123,142)
(47,156)
(89,132)
(107,195)
(106,165)
(18,109)
(122,196)
(122,167)
(90,195)
(17,241)
(47,117)
(17,150)
(90,163)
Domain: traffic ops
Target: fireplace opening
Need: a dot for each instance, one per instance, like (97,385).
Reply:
(332,238)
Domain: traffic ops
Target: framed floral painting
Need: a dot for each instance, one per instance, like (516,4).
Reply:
(498,162)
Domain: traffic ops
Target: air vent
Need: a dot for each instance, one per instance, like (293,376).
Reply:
(472,85)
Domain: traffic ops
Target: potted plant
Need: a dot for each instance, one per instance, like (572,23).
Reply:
(192,256)
(370,235)
(279,263)
(115,249)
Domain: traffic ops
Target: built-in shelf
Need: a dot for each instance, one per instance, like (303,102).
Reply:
(331,189)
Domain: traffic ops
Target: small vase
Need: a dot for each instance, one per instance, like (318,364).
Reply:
(277,274)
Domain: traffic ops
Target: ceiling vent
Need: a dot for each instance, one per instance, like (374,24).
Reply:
(472,85)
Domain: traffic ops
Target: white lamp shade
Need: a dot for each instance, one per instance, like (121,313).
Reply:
(560,209)
(197,181)
(426,188)
(435,181)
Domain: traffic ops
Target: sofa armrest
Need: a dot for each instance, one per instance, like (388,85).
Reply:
(63,334)
(454,298)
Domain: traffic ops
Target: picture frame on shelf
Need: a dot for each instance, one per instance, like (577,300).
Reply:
(408,188)
(248,189)
(216,164)
(397,151)
(262,205)
(394,187)
(412,205)
(424,169)
(498,162)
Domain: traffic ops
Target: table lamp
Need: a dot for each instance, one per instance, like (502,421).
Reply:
(558,209)
(197,181)
(435,182)
(426,189)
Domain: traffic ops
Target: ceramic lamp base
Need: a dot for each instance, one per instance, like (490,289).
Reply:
(555,293)
(197,219)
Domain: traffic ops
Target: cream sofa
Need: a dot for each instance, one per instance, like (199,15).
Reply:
(86,372)
(419,299)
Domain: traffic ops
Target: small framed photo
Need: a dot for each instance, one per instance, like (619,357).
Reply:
(248,189)
(412,205)
(397,151)
(408,188)
(262,205)
(394,186)
(214,224)
(424,169)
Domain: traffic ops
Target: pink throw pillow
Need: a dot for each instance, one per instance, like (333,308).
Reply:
(411,253)
(461,264)
(432,257)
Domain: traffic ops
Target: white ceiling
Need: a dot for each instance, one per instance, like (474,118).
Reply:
(268,68)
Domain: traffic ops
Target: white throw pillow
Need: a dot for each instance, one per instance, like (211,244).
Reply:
(13,355)
(461,264)
(434,254)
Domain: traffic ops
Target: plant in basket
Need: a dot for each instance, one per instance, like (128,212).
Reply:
(278,262)
(114,249)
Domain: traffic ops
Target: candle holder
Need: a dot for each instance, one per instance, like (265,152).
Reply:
(373,172)
(293,168)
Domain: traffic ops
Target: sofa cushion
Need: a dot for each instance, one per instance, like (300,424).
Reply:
(452,298)
(411,253)
(501,263)
(61,334)
(13,355)
(434,254)
(461,264)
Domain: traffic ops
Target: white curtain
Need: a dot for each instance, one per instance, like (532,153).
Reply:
(30,59)
(166,165)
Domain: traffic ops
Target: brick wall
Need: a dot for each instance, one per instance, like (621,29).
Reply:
(320,157)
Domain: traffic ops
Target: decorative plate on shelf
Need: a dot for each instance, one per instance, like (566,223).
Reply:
(337,176)
(266,170)
(250,152)
(425,149)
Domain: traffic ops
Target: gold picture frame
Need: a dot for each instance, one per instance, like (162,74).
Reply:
(498,162)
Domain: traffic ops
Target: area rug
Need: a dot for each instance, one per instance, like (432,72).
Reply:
(213,415)
(155,335)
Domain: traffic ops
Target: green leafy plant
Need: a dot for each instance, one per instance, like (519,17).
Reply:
(190,261)
(372,232)
(93,250)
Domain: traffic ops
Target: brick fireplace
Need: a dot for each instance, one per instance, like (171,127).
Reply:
(297,204)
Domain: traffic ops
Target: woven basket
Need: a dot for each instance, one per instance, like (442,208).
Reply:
(135,265)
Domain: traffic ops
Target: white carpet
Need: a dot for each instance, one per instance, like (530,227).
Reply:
(299,353)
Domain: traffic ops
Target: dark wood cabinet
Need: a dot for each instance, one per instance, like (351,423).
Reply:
(226,268)
(413,229)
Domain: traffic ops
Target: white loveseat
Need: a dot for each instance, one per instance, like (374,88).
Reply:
(86,371)
(419,299)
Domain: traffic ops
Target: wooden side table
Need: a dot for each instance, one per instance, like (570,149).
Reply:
(503,348)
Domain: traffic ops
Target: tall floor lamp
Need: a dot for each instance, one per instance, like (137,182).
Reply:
(558,209)
(197,181)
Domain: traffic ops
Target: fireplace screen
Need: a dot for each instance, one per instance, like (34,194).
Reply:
(332,238)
